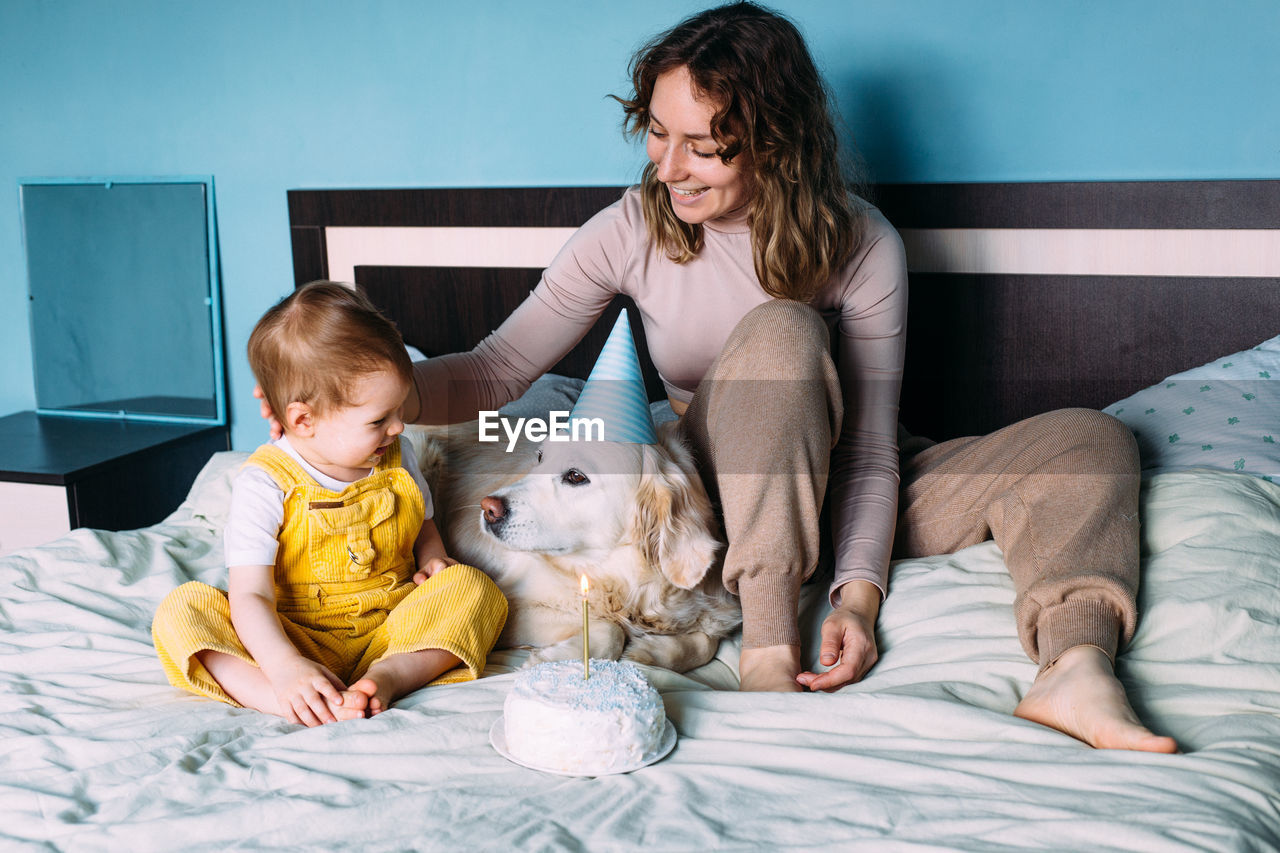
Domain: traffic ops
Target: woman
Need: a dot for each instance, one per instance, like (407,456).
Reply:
(741,246)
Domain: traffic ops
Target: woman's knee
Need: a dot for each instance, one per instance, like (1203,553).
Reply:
(781,325)
(774,380)
(784,313)
(1103,438)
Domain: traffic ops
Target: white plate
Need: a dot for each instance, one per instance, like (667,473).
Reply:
(498,737)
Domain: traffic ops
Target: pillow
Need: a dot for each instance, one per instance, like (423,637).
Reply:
(548,393)
(1224,414)
(210,494)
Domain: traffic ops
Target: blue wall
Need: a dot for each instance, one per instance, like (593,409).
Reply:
(268,95)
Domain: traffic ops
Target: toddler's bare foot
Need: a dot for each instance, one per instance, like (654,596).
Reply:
(398,675)
(1080,695)
(374,693)
(355,704)
(770,668)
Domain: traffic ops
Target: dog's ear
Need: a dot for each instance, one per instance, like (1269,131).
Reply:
(673,524)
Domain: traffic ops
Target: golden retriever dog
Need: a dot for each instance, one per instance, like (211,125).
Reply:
(634,519)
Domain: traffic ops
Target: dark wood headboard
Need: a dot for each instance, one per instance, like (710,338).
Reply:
(449,304)
(1024,297)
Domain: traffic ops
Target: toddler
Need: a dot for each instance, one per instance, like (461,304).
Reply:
(340,597)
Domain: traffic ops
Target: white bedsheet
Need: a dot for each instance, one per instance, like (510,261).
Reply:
(97,752)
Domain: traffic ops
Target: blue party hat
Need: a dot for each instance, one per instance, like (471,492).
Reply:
(615,393)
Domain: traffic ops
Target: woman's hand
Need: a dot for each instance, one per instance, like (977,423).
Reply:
(848,638)
(305,690)
(276,429)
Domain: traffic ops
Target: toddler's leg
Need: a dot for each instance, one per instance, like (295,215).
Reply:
(395,676)
(201,652)
(242,681)
(193,624)
(439,634)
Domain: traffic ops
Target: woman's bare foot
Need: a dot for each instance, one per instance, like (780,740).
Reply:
(1080,695)
(770,668)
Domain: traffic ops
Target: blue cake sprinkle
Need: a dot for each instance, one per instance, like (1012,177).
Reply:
(613,685)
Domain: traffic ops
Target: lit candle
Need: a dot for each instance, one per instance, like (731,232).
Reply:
(586,646)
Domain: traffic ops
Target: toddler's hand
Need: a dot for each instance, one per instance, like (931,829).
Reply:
(430,567)
(305,690)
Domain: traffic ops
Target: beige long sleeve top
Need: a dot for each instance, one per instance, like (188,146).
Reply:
(689,311)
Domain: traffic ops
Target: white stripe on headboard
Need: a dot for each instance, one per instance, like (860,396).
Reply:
(1222,253)
(348,248)
(1212,253)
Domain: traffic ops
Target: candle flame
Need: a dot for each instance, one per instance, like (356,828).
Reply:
(585,584)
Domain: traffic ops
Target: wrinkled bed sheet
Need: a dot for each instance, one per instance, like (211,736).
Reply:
(97,752)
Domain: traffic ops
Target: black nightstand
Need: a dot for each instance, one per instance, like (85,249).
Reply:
(59,473)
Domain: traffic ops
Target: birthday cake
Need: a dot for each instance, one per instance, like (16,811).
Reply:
(555,719)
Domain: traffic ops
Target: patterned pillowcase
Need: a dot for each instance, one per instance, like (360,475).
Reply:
(1224,414)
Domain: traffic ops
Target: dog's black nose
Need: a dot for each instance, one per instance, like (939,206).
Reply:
(494,510)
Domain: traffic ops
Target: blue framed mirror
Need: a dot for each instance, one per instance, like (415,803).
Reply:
(124,303)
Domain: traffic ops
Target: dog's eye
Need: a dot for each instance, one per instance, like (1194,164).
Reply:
(574,477)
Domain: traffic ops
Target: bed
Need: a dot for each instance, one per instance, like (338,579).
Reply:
(1157,302)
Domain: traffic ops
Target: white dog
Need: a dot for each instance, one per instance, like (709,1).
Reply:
(633,519)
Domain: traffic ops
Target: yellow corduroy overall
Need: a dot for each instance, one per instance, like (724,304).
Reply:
(344,588)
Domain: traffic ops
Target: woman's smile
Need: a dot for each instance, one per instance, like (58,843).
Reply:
(702,187)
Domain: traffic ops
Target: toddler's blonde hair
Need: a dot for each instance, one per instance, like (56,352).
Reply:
(312,346)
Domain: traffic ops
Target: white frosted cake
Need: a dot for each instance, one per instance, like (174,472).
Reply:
(555,719)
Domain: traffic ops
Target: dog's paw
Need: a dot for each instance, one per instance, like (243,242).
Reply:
(566,650)
(676,652)
(639,654)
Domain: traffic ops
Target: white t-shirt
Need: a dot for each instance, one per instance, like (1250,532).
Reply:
(251,537)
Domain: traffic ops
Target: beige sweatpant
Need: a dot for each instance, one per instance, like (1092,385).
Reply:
(1058,492)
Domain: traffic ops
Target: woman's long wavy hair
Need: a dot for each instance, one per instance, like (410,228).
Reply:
(772,110)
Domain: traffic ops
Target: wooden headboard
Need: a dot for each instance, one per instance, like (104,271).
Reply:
(1024,297)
